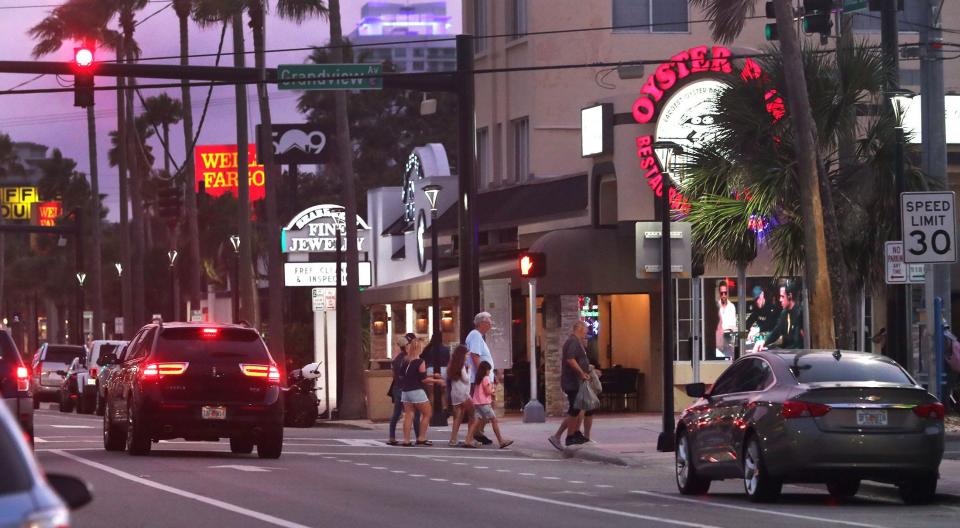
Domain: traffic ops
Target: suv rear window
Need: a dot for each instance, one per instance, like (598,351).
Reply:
(186,344)
(62,353)
(105,349)
(820,368)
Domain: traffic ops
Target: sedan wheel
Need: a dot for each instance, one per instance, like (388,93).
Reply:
(758,484)
(688,481)
(843,489)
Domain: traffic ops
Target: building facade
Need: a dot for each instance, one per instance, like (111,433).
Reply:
(384,26)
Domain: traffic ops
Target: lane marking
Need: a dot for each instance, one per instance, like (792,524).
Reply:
(249,469)
(398,471)
(528,474)
(73,426)
(503,471)
(664,520)
(603,486)
(575,482)
(755,510)
(185,494)
(378,467)
(480,467)
(438,480)
(362,464)
(459,463)
(551,478)
(38,440)
(461,484)
(416,475)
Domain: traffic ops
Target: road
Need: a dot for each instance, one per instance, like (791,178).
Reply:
(336,477)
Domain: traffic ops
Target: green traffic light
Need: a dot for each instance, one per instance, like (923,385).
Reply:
(770,32)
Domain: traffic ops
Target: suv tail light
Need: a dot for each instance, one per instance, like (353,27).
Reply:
(157,370)
(93,373)
(261,371)
(934,411)
(802,409)
(23,379)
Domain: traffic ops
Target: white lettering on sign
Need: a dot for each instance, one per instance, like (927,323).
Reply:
(929,227)
(322,274)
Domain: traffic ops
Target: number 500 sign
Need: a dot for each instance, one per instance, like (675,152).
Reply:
(929,224)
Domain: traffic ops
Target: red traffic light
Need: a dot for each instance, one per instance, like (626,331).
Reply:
(83,57)
(532,265)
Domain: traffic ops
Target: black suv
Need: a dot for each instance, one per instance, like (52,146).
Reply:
(15,383)
(197,381)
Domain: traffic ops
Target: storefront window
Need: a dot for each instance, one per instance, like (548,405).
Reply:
(590,314)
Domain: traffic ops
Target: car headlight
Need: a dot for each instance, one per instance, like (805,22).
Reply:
(58,517)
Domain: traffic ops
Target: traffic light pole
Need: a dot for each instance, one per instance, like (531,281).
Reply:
(665,442)
(533,411)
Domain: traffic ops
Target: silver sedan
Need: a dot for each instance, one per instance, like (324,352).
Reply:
(832,417)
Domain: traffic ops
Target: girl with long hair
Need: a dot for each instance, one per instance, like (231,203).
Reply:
(413,383)
(458,379)
(482,397)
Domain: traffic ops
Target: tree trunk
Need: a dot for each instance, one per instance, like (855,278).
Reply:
(248,302)
(274,257)
(193,265)
(352,405)
(811,208)
(166,148)
(96,268)
(136,204)
(126,282)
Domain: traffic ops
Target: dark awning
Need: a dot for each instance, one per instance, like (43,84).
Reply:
(398,227)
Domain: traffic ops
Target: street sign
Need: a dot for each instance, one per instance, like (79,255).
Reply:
(929,223)
(196,316)
(324,299)
(916,273)
(849,6)
(296,144)
(329,77)
(649,251)
(895,265)
(118,325)
(322,274)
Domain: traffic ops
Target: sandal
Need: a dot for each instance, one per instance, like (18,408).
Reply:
(453,443)
(469,446)
(392,442)
(406,444)
(427,443)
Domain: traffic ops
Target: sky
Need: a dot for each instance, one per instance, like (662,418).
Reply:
(52,120)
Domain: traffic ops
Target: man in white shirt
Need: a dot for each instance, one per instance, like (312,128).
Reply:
(727,325)
(479,351)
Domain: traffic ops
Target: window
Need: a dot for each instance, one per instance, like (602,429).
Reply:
(520,133)
(480,25)
(142,346)
(418,66)
(400,52)
(650,16)
(418,52)
(825,368)
(483,153)
(910,19)
(756,377)
(728,381)
(517,19)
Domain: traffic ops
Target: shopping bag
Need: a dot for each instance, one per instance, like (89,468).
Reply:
(586,399)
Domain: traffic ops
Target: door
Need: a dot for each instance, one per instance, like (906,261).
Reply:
(752,376)
(709,445)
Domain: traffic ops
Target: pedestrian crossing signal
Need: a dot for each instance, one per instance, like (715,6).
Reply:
(532,265)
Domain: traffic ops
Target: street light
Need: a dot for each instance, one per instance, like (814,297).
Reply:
(81,304)
(666,152)
(439,418)
(235,291)
(119,267)
(897,294)
(174,301)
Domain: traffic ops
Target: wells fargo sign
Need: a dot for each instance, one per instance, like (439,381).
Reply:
(216,170)
(47,213)
(17,202)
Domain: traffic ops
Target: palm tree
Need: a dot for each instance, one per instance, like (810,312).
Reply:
(84,23)
(727,20)
(753,155)
(162,111)
(183,9)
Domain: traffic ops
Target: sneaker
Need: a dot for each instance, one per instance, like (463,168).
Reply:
(578,435)
(575,440)
(482,438)
(555,442)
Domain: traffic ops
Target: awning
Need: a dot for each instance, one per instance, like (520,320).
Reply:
(419,288)
(398,227)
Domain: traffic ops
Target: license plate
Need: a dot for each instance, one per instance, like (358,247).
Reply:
(871,417)
(210,412)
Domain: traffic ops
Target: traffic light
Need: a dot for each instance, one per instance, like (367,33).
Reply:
(532,265)
(169,203)
(817,16)
(770,30)
(83,67)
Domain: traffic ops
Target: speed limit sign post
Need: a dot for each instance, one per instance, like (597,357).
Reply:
(929,223)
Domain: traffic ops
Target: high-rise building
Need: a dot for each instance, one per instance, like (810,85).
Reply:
(415,37)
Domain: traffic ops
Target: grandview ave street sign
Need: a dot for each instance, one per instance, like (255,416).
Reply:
(329,77)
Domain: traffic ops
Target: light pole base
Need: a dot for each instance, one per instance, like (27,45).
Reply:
(665,443)
(533,412)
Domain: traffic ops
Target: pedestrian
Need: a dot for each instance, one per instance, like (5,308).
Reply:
(726,324)
(482,397)
(458,381)
(573,371)
(480,352)
(399,358)
(413,393)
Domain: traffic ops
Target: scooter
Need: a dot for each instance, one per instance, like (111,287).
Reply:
(301,404)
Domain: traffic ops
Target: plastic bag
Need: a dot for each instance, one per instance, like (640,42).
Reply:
(586,399)
(595,381)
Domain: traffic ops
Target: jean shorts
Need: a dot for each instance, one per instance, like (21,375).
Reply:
(485,412)
(414,396)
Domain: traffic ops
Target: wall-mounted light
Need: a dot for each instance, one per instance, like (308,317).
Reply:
(422,326)
(446,321)
(379,323)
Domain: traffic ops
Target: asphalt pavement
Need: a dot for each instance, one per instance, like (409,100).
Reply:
(343,474)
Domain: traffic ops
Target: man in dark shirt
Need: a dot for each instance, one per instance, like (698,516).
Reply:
(788,333)
(574,370)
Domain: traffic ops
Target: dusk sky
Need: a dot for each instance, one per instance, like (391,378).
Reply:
(52,120)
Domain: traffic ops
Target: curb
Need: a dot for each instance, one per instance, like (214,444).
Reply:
(344,425)
(595,454)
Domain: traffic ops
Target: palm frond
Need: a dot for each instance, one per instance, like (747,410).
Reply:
(726,17)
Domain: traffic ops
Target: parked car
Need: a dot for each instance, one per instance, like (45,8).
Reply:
(28,497)
(79,387)
(833,417)
(201,382)
(50,365)
(15,383)
(108,361)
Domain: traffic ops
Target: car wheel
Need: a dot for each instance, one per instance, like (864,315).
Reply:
(758,484)
(66,404)
(271,443)
(243,446)
(114,437)
(843,489)
(688,481)
(920,490)
(138,440)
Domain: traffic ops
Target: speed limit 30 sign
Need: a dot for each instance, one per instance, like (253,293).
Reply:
(929,224)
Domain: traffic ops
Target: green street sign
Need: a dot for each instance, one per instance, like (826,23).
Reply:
(849,6)
(329,77)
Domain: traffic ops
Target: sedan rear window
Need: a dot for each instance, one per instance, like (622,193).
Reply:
(62,354)
(187,344)
(825,368)
(105,349)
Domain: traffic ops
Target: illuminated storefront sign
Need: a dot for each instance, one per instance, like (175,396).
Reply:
(47,213)
(216,169)
(16,203)
(314,230)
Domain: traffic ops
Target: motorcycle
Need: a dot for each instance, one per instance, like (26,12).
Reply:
(301,404)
